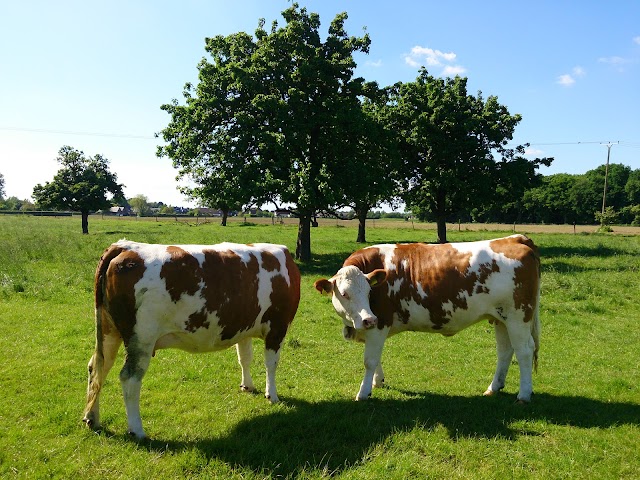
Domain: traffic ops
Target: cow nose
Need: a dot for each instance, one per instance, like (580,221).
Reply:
(369,322)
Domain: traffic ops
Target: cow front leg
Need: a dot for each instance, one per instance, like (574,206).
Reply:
(378,377)
(373,344)
(505,354)
(135,366)
(244,349)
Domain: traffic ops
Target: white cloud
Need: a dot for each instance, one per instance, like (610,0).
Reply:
(428,57)
(533,152)
(616,61)
(453,70)
(376,64)
(568,79)
(579,71)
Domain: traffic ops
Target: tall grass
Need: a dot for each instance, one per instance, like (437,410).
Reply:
(429,422)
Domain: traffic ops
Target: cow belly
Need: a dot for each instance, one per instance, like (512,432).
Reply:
(183,325)
(197,342)
(456,320)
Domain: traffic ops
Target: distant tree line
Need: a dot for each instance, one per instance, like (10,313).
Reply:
(552,199)
(563,199)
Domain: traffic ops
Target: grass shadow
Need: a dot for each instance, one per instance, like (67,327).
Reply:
(581,251)
(335,435)
(325,264)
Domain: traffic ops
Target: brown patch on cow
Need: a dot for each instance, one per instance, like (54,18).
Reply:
(440,270)
(123,272)
(527,276)
(182,273)
(270,262)
(231,290)
(284,304)
(197,320)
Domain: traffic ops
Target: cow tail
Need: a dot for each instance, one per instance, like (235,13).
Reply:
(96,364)
(535,329)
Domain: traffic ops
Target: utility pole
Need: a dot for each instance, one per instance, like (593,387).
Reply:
(606,174)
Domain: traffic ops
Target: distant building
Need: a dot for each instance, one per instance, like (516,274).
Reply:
(120,211)
(284,213)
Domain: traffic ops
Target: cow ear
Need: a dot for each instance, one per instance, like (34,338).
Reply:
(323,285)
(377,277)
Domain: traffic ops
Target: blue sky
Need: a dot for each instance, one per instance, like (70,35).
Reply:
(94,74)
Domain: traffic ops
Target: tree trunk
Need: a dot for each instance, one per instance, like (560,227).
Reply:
(303,247)
(85,222)
(225,214)
(441,215)
(442,229)
(362,220)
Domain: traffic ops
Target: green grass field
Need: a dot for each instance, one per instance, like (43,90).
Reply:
(430,421)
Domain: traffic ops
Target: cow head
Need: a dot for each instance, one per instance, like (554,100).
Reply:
(349,289)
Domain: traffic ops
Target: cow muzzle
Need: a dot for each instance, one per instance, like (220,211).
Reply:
(369,322)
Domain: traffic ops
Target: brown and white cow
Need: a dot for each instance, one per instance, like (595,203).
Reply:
(196,298)
(387,289)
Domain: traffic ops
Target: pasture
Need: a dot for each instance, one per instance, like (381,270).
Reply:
(430,421)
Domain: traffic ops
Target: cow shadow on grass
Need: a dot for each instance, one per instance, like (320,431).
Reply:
(335,435)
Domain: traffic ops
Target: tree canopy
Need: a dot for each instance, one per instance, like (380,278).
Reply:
(83,184)
(268,120)
(454,146)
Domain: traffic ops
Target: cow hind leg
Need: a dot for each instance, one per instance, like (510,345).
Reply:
(99,366)
(135,366)
(271,359)
(524,347)
(504,352)
(244,349)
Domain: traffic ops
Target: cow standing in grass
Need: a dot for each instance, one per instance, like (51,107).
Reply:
(196,298)
(387,289)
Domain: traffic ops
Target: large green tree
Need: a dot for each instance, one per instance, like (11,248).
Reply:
(270,110)
(369,160)
(454,145)
(1,187)
(214,138)
(83,184)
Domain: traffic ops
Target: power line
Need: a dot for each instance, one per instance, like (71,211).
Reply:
(91,134)
(568,143)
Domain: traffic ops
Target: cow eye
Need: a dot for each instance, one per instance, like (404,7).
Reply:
(345,295)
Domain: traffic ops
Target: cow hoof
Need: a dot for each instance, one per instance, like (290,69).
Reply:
(272,399)
(519,401)
(137,437)
(91,422)
(244,388)
(489,393)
